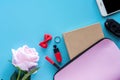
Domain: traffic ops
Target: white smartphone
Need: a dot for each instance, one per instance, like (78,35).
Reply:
(108,7)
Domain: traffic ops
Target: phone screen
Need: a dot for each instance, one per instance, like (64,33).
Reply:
(112,5)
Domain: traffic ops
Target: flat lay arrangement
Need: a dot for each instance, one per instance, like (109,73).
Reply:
(60,40)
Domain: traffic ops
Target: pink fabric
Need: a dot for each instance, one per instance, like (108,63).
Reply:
(101,62)
(25,58)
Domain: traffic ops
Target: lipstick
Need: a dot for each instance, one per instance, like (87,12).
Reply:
(52,62)
(57,53)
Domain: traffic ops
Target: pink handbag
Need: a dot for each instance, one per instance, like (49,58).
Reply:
(100,62)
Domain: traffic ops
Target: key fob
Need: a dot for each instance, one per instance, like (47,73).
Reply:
(113,26)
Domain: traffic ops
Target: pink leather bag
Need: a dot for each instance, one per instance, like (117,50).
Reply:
(100,62)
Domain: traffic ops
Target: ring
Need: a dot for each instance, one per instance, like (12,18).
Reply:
(57,39)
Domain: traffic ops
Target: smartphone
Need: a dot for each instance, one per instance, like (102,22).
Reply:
(108,7)
(101,61)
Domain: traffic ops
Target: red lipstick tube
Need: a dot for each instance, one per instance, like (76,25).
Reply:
(52,62)
(57,54)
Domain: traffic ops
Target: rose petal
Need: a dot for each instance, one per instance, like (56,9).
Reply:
(25,57)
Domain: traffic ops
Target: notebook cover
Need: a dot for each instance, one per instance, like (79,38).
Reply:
(100,62)
(78,40)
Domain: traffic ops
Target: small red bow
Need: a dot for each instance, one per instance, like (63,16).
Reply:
(44,44)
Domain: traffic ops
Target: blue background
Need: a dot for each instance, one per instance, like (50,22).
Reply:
(26,21)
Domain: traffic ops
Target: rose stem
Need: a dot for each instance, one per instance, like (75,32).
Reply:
(19,74)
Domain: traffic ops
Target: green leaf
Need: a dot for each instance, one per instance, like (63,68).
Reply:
(26,76)
(14,76)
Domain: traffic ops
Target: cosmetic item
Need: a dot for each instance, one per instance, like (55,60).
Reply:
(57,53)
(52,62)
(44,44)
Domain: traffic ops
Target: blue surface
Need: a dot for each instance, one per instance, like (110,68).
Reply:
(26,21)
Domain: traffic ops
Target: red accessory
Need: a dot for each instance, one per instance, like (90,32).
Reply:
(57,54)
(49,60)
(52,62)
(44,44)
